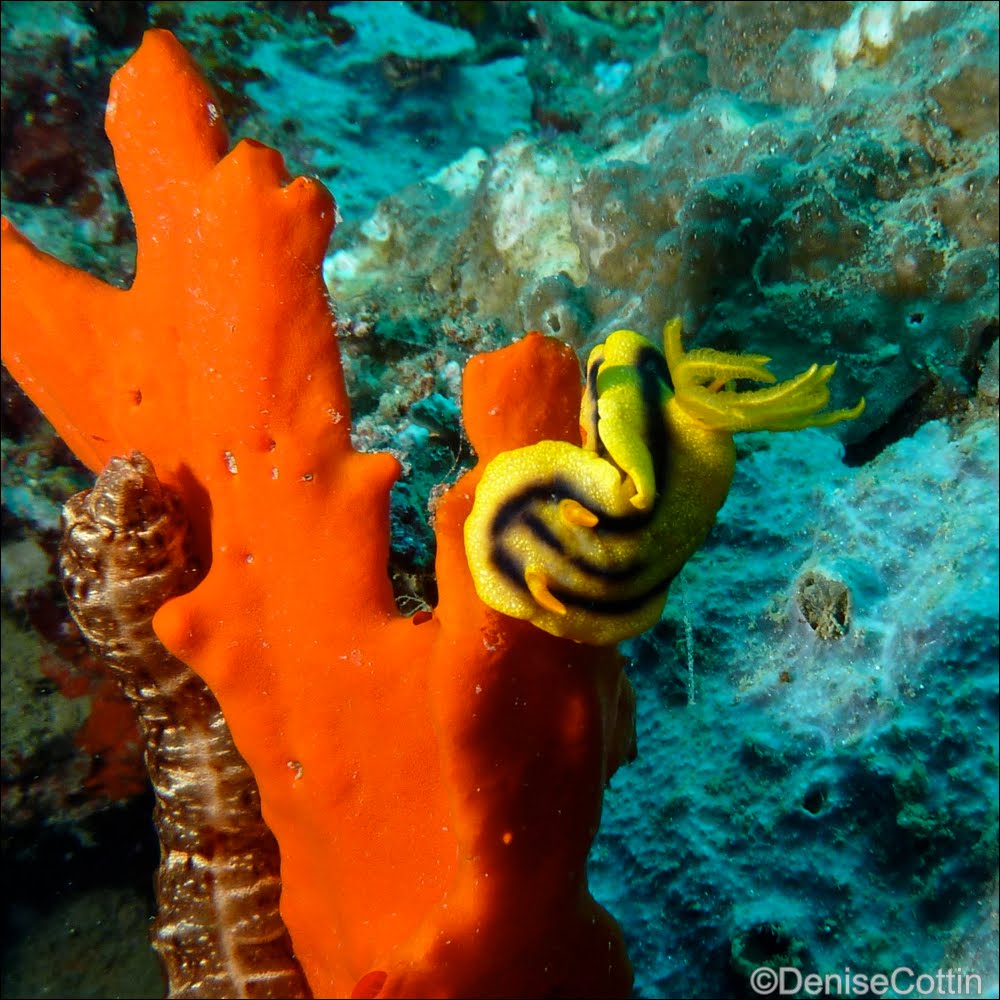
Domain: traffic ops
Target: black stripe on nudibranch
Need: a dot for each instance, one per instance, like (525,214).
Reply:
(509,512)
(541,531)
(553,491)
(520,510)
(654,383)
(590,399)
(508,567)
(612,606)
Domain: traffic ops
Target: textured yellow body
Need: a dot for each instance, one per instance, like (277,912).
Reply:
(584,541)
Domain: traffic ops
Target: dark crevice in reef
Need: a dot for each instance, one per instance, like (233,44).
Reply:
(116,846)
(48,865)
(81,889)
(932,401)
(972,368)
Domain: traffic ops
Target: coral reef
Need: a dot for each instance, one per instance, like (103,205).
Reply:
(831,183)
(806,180)
(831,787)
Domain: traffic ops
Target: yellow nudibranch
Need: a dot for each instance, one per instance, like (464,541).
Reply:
(584,541)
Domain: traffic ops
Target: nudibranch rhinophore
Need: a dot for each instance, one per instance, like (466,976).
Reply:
(585,541)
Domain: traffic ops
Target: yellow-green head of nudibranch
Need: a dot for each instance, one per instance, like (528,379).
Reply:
(584,541)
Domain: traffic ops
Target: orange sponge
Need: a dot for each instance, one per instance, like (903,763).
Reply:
(434,787)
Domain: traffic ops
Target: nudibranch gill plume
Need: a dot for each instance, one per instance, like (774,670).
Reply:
(585,541)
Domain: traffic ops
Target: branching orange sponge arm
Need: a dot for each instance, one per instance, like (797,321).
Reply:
(218,362)
(43,300)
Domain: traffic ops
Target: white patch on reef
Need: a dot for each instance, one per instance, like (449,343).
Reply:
(450,379)
(392,27)
(732,118)
(824,69)
(907,8)
(872,28)
(462,176)
(595,239)
(530,195)
(611,76)
(644,149)
(878,24)
(377,227)
(847,42)
(340,266)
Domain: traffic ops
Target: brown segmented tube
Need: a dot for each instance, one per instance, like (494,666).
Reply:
(125,551)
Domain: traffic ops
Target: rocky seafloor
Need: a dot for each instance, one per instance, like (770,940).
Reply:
(816,786)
